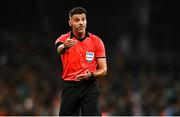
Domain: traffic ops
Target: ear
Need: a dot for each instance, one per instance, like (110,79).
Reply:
(70,23)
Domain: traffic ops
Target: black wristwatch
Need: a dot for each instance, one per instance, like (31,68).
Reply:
(92,76)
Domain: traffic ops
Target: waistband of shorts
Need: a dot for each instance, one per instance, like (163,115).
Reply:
(80,82)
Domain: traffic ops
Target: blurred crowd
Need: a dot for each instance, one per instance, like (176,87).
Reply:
(28,79)
(142,85)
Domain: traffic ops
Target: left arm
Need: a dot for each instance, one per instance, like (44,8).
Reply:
(101,68)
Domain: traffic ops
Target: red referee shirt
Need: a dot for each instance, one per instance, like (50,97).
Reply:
(81,57)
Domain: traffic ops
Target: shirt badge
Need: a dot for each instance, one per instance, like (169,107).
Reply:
(89,56)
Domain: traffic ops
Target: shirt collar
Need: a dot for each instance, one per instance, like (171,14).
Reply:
(80,39)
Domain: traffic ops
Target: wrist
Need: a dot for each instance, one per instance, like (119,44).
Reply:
(92,76)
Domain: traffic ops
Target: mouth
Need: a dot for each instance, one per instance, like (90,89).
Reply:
(81,27)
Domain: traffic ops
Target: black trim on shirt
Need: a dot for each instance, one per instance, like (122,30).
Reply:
(100,57)
(80,39)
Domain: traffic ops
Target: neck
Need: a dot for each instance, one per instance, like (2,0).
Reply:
(79,34)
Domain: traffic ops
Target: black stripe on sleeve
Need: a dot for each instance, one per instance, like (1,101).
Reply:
(100,57)
(57,44)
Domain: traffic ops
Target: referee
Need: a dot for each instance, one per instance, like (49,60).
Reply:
(84,60)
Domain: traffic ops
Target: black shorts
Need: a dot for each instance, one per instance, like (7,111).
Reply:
(80,98)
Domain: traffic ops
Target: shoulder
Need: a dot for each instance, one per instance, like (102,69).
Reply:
(94,37)
(63,37)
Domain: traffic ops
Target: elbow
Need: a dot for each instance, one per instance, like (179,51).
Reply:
(104,72)
(61,49)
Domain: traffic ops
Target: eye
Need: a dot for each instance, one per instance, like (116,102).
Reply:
(76,19)
(83,19)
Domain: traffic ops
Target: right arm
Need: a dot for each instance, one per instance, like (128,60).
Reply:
(61,48)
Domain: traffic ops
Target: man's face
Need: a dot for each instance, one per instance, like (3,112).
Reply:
(78,23)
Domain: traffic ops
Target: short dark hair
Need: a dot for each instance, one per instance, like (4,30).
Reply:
(77,10)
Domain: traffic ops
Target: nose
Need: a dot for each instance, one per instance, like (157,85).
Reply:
(81,22)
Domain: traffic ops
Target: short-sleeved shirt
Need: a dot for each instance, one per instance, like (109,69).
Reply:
(81,57)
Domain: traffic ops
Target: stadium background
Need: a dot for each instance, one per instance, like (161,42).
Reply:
(141,39)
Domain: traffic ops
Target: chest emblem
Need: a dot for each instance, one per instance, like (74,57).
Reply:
(89,56)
